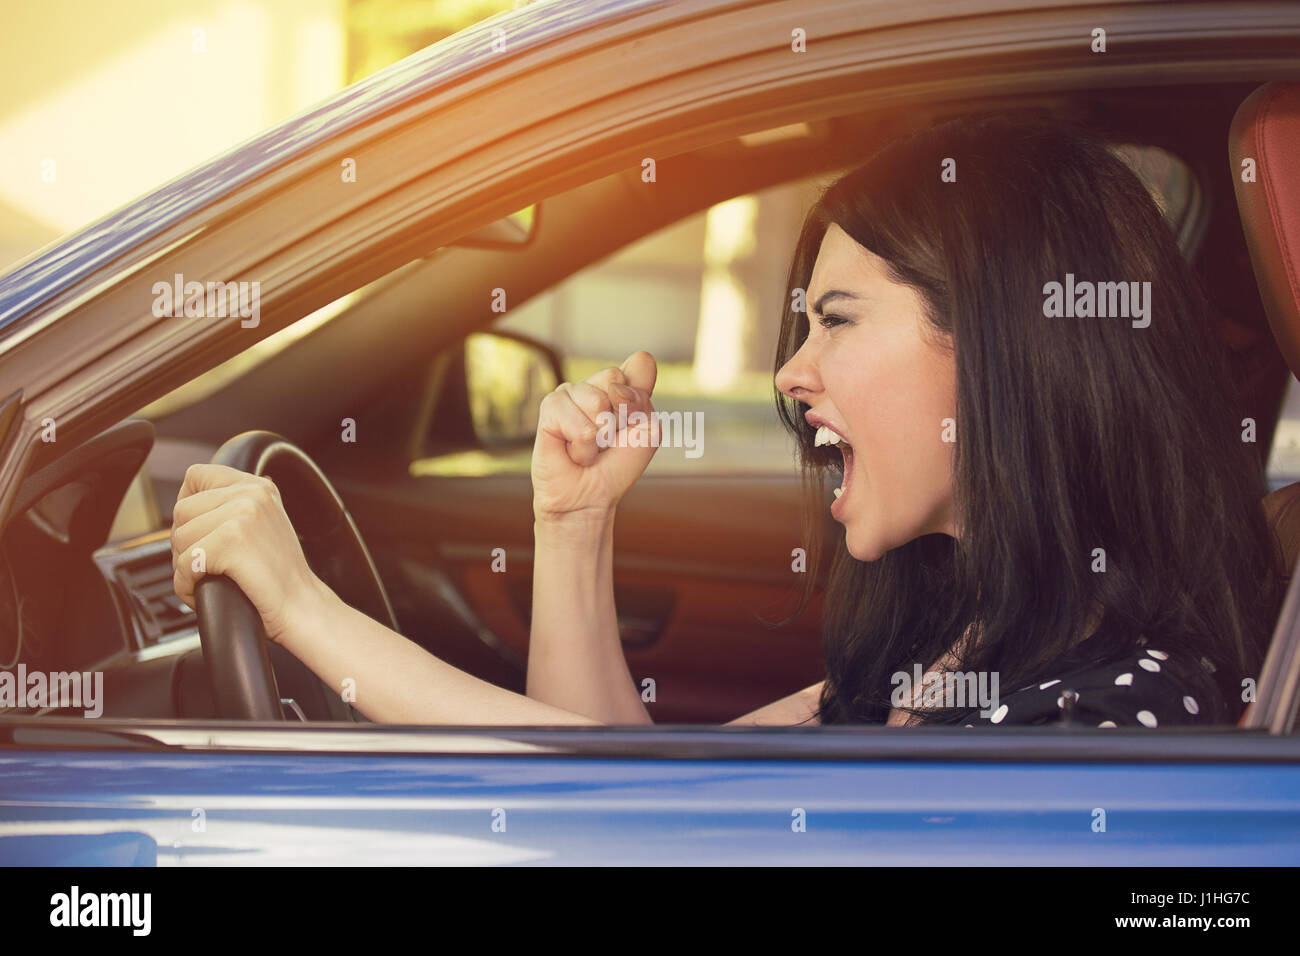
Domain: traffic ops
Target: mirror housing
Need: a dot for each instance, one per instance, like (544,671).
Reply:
(506,377)
(489,393)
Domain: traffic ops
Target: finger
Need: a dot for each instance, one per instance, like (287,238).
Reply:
(562,420)
(641,371)
(213,547)
(185,536)
(203,477)
(608,376)
(187,509)
(648,428)
(636,399)
(596,398)
(591,399)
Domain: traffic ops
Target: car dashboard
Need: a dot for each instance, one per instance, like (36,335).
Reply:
(78,597)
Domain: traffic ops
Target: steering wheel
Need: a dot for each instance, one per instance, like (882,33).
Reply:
(236,651)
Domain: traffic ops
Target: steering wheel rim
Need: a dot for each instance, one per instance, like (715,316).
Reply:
(235,646)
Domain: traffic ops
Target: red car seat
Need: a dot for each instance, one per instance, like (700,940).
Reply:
(1264,146)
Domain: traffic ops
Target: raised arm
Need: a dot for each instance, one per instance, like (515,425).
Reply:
(575,656)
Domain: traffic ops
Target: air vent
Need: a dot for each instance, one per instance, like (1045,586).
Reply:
(158,612)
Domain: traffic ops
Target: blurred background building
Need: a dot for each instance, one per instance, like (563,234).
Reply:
(102,102)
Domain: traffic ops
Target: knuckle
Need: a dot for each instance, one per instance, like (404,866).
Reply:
(271,489)
(258,490)
(188,482)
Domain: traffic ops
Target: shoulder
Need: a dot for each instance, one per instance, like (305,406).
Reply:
(799,708)
(1141,689)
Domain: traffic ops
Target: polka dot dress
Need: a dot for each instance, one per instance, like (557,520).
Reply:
(1134,691)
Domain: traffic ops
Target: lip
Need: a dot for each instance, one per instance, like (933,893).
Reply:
(817,420)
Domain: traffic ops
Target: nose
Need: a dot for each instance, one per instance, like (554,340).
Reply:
(798,377)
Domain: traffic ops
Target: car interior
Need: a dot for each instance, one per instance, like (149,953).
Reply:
(382,390)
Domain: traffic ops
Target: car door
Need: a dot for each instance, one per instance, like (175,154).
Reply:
(152,793)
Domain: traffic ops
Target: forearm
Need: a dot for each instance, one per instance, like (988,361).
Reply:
(397,681)
(575,655)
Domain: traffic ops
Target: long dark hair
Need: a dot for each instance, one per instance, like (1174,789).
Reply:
(1073,434)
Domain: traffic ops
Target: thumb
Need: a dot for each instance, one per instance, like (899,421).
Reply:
(641,371)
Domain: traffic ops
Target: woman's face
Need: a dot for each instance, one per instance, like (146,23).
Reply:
(876,373)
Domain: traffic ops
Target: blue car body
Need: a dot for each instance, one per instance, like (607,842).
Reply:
(1226,799)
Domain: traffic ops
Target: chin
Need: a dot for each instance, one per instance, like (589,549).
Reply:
(872,543)
(864,547)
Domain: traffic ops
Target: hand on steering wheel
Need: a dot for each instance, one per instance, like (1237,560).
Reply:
(256,535)
(233,523)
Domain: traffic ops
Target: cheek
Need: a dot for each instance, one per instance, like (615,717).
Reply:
(895,405)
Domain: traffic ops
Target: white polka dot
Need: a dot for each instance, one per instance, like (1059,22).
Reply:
(970,725)
(1147,665)
(1158,655)
(1049,684)
(1191,705)
(1124,680)
(1146,718)
(999,714)
(1107,723)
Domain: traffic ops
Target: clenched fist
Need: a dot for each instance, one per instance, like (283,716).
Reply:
(582,462)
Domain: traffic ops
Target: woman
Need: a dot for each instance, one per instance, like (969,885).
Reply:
(1052,498)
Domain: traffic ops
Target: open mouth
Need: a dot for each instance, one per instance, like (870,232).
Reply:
(829,437)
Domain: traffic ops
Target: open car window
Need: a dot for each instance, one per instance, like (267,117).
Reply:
(705,296)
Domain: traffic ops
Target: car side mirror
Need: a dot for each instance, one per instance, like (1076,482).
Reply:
(480,414)
(506,377)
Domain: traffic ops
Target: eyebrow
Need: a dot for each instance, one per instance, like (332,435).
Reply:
(820,304)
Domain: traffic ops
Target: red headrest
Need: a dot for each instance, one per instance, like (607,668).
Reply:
(1264,143)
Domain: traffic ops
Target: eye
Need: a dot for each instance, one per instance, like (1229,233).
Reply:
(830,320)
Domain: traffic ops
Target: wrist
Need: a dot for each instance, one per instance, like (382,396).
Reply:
(306,612)
(578,528)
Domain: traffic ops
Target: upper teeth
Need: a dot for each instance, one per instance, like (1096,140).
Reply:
(826,437)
